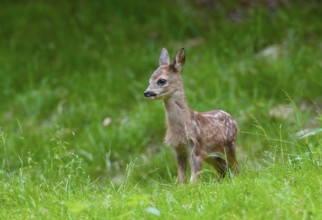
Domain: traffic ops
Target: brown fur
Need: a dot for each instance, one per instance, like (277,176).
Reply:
(206,136)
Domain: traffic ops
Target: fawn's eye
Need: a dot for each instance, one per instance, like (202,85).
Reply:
(161,82)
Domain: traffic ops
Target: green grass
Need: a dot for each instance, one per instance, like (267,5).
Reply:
(65,66)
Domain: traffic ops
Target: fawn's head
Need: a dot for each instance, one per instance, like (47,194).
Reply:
(166,80)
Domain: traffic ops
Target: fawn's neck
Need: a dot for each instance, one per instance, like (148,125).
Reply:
(177,108)
(178,116)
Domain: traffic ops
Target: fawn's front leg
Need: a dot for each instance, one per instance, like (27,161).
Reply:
(182,160)
(196,164)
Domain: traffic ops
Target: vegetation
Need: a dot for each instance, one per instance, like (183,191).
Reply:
(66,66)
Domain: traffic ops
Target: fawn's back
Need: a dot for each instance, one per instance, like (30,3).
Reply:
(216,130)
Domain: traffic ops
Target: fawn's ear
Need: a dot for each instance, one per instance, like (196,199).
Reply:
(179,60)
(164,57)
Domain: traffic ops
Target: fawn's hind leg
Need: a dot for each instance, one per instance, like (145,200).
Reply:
(231,157)
(181,154)
(219,164)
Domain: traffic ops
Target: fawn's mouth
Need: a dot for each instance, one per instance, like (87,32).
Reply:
(150,95)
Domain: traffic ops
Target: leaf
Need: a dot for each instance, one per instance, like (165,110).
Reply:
(153,211)
(308,132)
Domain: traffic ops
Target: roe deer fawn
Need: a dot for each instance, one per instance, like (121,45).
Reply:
(208,136)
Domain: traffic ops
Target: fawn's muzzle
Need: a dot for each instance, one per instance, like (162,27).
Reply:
(149,94)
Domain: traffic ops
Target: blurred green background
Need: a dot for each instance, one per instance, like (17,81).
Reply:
(65,66)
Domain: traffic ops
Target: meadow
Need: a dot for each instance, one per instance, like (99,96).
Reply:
(66,66)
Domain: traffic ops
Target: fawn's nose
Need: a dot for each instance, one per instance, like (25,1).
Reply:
(149,94)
